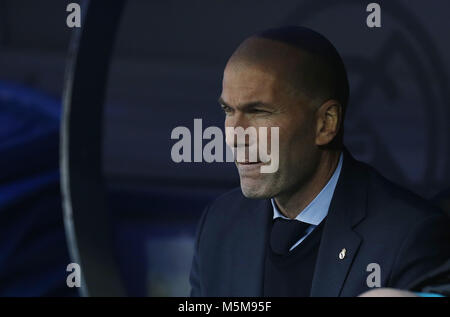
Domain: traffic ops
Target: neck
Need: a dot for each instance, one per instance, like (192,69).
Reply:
(292,203)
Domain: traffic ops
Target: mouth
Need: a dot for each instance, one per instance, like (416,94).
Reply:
(247,169)
(249,163)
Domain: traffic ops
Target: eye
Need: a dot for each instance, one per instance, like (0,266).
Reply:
(227,109)
(258,111)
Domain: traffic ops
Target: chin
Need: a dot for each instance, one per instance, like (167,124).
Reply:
(255,191)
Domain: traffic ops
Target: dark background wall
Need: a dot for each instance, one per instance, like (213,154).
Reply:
(167,70)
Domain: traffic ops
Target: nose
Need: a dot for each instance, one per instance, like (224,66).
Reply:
(238,120)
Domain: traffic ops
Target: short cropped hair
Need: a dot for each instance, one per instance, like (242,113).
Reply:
(323,74)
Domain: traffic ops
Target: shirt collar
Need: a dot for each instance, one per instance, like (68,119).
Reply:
(317,209)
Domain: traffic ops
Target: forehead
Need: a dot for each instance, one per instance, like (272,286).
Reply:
(246,82)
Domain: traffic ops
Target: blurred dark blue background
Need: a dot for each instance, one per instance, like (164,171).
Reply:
(167,70)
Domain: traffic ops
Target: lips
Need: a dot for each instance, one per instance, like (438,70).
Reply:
(249,163)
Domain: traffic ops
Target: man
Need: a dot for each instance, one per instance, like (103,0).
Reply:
(322,222)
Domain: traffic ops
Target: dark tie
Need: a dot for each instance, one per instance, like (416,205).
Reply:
(285,233)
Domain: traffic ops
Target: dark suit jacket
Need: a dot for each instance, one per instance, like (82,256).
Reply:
(373,219)
(436,281)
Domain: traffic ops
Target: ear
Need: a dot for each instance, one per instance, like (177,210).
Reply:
(328,121)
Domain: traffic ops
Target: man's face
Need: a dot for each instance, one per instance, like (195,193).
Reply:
(257,95)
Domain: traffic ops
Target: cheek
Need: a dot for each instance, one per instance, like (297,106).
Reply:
(295,139)
(272,126)
(303,130)
(227,122)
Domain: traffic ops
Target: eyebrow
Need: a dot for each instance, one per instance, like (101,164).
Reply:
(245,106)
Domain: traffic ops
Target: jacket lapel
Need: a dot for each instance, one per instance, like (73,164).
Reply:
(347,209)
(249,252)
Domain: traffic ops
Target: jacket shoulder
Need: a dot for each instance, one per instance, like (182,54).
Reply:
(388,197)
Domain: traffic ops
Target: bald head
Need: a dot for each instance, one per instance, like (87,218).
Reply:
(306,60)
